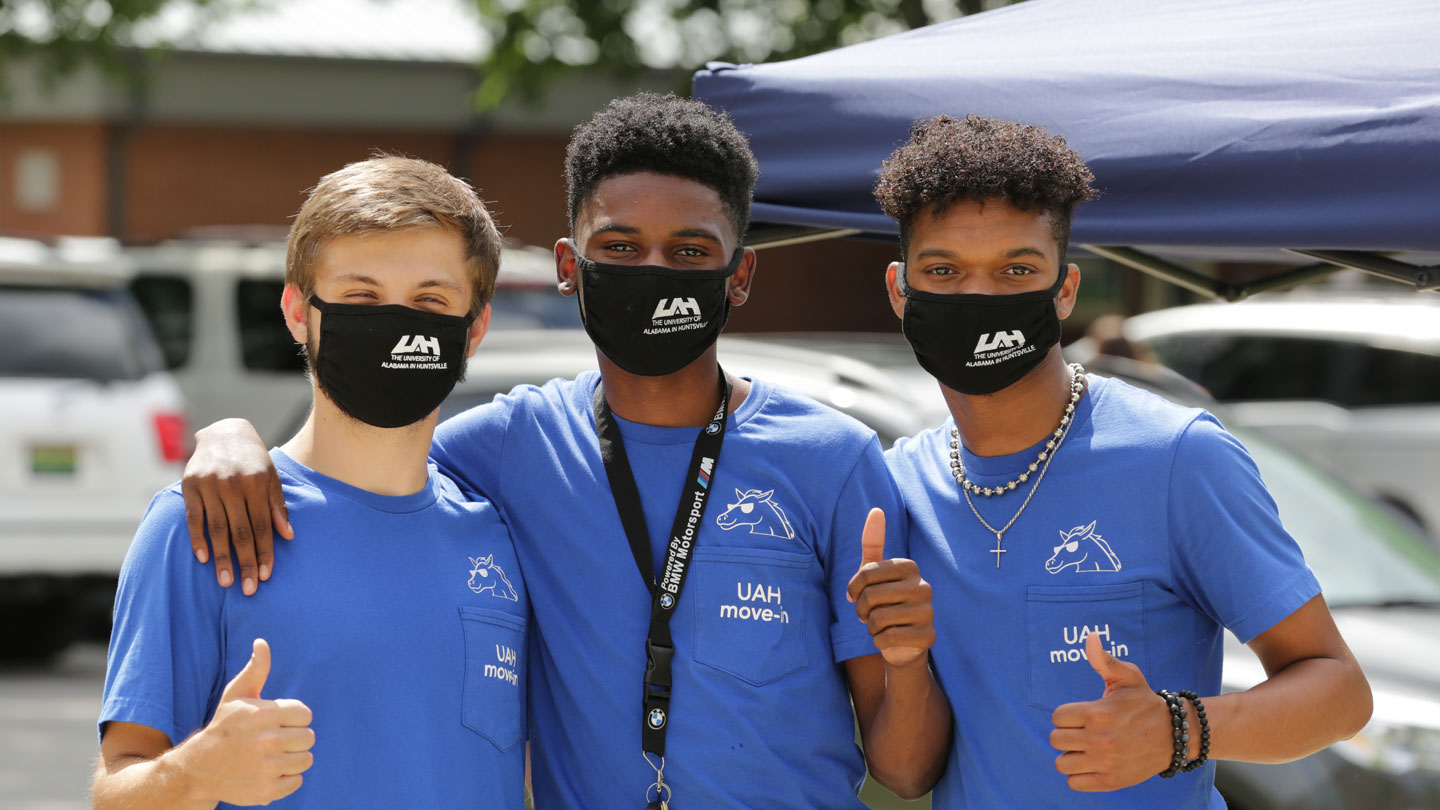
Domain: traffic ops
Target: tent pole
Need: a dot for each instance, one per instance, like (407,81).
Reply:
(784,237)
(1424,278)
(1289,278)
(1169,271)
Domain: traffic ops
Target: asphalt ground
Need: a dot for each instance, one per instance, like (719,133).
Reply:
(48,745)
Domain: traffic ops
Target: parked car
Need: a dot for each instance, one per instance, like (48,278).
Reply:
(1352,380)
(214,303)
(91,426)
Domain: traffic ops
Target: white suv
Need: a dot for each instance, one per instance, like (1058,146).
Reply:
(91,426)
(1352,380)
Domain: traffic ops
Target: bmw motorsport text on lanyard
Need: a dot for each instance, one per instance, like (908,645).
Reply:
(665,594)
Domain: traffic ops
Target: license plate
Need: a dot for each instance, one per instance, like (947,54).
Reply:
(53,459)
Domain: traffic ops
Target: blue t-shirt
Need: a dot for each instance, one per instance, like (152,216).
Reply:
(760,714)
(1152,529)
(400,622)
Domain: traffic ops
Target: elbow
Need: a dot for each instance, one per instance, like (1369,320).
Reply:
(909,790)
(1358,702)
(1361,703)
(910,784)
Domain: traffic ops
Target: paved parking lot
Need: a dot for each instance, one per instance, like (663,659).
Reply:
(47,730)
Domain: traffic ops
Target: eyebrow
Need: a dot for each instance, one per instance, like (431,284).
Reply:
(1016,253)
(684,233)
(428,283)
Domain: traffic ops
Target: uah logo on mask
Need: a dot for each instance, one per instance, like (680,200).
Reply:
(672,307)
(1000,340)
(417,344)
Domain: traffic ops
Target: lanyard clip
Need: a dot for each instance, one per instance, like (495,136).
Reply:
(658,659)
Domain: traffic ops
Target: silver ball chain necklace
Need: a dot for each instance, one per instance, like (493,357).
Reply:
(1042,464)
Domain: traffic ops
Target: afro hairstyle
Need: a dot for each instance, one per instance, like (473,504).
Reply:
(950,160)
(664,134)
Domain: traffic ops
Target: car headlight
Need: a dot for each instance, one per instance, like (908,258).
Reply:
(1403,735)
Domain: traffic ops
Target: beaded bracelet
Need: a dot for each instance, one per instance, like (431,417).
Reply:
(1204,731)
(1180,729)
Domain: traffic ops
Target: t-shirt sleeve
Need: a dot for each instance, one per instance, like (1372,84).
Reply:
(1232,557)
(868,486)
(166,662)
(469,447)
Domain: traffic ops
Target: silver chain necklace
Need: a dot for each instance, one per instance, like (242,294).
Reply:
(957,465)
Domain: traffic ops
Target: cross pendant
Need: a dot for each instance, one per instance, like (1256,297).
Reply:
(997,551)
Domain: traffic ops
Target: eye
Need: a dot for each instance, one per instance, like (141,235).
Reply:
(1072,545)
(692,252)
(939,270)
(747,508)
(1019,270)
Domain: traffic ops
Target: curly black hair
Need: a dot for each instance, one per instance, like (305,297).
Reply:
(668,135)
(948,160)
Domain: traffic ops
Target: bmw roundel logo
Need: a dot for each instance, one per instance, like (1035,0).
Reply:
(713,428)
(657,718)
(667,601)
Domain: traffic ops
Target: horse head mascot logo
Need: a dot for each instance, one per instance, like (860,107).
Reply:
(1084,549)
(485,575)
(754,508)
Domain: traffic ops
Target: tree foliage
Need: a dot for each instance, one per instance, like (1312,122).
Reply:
(63,35)
(537,41)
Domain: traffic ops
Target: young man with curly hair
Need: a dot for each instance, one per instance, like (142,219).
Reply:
(735,692)
(1087,541)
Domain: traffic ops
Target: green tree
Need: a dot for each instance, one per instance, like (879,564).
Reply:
(537,41)
(63,35)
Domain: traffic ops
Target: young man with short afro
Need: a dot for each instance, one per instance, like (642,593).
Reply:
(1088,541)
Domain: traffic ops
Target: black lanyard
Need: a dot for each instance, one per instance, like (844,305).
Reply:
(684,536)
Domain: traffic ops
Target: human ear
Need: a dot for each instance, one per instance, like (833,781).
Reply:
(892,286)
(1065,301)
(478,328)
(739,291)
(295,305)
(566,279)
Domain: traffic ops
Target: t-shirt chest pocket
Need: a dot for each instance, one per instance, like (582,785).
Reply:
(493,702)
(1059,621)
(750,611)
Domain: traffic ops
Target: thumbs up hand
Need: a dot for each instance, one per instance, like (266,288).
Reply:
(892,599)
(254,750)
(1120,740)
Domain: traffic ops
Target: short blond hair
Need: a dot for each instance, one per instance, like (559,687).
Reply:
(390,193)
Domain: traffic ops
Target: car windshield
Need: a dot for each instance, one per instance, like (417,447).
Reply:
(1361,553)
(93,334)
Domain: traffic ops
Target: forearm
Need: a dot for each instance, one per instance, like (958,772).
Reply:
(162,783)
(909,736)
(1299,710)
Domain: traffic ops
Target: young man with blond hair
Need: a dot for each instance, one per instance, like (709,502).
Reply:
(398,628)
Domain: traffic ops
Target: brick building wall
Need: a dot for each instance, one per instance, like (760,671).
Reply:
(177,177)
(77,153)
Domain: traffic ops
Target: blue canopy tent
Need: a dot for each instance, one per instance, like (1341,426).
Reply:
(1281,128)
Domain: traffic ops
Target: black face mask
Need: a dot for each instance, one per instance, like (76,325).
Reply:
(652,320)
(388,366)
(980,344)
